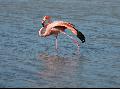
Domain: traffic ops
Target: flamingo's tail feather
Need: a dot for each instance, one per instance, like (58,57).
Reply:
(81,36)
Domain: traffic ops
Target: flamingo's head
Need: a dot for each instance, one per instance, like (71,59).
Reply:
(45,20)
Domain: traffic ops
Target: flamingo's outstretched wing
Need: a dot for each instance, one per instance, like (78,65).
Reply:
(69,26)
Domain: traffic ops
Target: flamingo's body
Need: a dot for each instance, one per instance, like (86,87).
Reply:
(56,27)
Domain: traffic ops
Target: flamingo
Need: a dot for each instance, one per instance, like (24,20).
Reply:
(57,27)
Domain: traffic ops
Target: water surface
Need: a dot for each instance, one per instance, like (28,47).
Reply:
(27,60)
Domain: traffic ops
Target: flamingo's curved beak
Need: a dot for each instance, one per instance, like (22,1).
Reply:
(43,22)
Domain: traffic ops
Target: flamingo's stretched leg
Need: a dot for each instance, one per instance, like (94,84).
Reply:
(56,42)
(74,40)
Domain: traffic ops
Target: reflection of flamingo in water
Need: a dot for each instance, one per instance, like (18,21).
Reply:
(56,27)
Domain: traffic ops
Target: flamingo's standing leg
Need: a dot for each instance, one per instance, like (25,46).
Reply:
(56,42)
(74,40)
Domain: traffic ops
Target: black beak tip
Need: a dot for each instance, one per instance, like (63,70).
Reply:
(43,24)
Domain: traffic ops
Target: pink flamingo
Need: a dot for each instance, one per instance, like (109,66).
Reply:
(56,27)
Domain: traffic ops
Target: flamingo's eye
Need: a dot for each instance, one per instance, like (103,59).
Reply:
(46,21)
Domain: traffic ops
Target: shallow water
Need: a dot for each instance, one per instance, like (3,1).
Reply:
(27,60)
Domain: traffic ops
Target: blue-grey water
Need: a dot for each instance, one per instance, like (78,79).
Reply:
(27,60)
